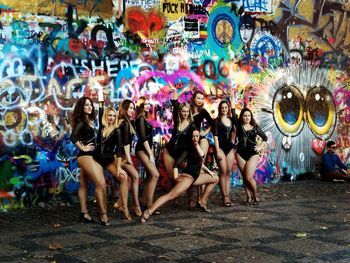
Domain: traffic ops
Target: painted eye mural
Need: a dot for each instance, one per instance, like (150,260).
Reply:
(288,110)
(321,112)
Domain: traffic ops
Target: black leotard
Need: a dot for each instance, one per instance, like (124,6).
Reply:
(126,135)
(194,162)
(144,132)
(199,117)
(179,140)
(247,139)
(224,134)
(108,146)
(85,134)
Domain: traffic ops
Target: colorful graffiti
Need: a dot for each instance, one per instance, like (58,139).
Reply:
(53,53)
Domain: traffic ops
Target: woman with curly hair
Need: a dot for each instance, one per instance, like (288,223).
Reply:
(83,137)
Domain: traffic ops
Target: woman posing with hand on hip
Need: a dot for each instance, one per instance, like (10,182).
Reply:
(247,154)
(224,138)
(83,137)
(108,153)
(127,131)
(195,173)
(144,150)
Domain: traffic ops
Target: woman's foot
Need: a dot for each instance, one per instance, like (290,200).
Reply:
(249,200)
(104,219)
(203,207)
(255,201)
(126,215)
(137,210)
(117,206)
(227,201)
(145,216)
(85,218)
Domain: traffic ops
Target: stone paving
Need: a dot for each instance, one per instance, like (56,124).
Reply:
(305,221)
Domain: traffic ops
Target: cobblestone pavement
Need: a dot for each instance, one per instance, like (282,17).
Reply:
(305,221)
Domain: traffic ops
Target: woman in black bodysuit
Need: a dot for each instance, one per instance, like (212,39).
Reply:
(108,153)
(248,149)
(181,133)
(224,138)
(200,114)
(83,137)
(127,131)
(195,173)
(144,150)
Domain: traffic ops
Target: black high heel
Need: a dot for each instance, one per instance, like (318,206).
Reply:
(84,219)
(203,208)
(255,201)
(145,216)
(104,223)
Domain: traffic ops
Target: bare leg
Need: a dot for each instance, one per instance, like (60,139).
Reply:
(82,193)
(122,177)
(151,182)
(224,179)
(209,182)
(168,163)
(95,173)
(241,165)
(204,144)
(183,183)
(229,161)
(133,174)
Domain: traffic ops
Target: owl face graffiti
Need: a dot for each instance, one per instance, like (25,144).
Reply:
(299,111)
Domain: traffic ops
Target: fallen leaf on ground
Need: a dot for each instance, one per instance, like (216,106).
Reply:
(324,227)
(55,246)
(301,234)
(56,225)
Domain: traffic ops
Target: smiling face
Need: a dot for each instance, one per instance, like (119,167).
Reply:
(130,110)
(184,112)
(199,100)
(147,105)
(247,117)
(195,137)
(87,107)
(111,117)
(224,109)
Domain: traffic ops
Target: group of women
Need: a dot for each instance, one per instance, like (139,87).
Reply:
(183,156)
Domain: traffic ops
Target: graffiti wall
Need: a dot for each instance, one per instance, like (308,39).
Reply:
(288,61)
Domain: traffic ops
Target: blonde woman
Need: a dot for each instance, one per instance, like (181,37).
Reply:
(108,153)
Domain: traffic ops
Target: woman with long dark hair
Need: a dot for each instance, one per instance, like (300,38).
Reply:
(247,154)
(127,130)
(224,139)
(144,149)
(83,137)
(195,173)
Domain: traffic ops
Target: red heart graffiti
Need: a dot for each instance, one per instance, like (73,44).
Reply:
(139,21)
(318,145)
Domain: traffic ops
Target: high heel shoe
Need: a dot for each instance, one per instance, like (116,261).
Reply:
(255,201)
(137,211)
(225,202)
(126,215)
(249,201)
(104,223)
(84,219)
(203,208)
(145,216)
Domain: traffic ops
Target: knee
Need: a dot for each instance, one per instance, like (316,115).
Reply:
(216,179)
(100,185)
(123,178)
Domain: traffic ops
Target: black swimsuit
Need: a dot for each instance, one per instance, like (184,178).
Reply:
(126,136)
(108,146)
(200,117)
(194,162)
(85,134)
(247,139)
(224,134)
(179,140)
(144,132)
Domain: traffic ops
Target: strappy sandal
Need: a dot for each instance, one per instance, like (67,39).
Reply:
(104,223)
(137,211)
(203,208)
(255,201)
(85,218)
(125,212)
(227,203)
(249,201)
(145,216)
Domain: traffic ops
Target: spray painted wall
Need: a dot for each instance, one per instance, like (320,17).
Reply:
(288,61)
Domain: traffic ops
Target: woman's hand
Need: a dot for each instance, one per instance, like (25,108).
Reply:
(88,148)
(151,159)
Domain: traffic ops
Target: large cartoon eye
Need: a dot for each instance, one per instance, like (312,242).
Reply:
(321,112)
(288,110)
